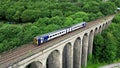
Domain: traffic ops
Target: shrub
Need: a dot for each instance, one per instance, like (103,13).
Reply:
(56,13)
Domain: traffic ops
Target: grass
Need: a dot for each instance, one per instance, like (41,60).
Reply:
(91,63)
(95,65)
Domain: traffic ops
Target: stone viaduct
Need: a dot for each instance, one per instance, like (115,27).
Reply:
(69,53)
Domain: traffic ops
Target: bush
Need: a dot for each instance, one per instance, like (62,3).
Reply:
(68,21)
(9,14)
(42,22)
(30,15)
(56,13)
(82,15)
(8,32)
(117,19)
(110,8)
(2,13)
(56,20)
(50,28)
(105,47)
(91,6)
(78,20)
(68,13)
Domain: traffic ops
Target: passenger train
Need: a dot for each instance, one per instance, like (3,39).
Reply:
(38,40)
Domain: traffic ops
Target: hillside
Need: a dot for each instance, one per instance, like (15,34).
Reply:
(22,20)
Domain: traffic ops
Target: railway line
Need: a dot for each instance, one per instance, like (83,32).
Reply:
(16,55)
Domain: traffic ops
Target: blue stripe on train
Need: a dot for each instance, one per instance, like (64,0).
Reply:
(45,38)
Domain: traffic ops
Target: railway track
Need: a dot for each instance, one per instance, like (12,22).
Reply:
(16,55)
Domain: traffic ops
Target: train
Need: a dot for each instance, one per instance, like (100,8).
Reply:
(38,40)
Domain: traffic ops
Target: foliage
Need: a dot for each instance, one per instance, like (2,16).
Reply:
(56,13)
(106,45)
(110,7)
(8,37)
(50,28)
(24,19)
(91,6)
(117,19)
(82,15)
(30,11)
(117,2)
(56,20)
(68,21)
(30,15)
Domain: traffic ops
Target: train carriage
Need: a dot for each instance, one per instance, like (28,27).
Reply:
(38,40)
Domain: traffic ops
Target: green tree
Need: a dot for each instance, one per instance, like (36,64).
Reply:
(91,7)
(117,19)
(17,15)
(8,32)
(50,28)
(30,15)
(56,20)
(110,7)
(9,14)
(105,47)
(68,21)
(117,2)
(42,22)
(109,49)
(56,13)
(82,15)
(2,13)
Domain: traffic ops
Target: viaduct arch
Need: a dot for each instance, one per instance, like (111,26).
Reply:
(53,60)
(67,56)
(35,64)
(77,51)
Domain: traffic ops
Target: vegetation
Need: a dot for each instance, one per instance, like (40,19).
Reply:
(95,65)
(106,45)
(21,20)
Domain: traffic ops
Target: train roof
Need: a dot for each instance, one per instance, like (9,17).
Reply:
(77,24)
